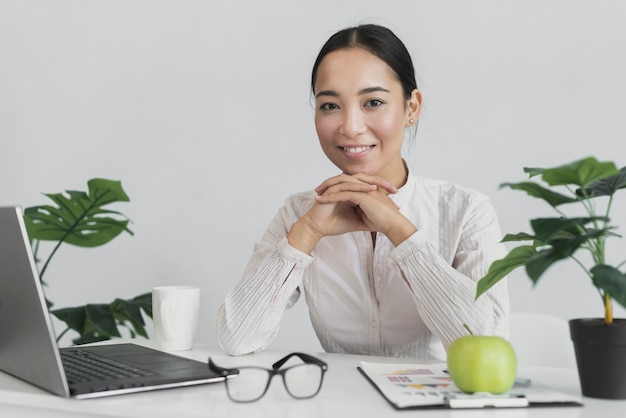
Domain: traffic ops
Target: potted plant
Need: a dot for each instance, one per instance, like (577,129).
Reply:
(81,219)
(599,343)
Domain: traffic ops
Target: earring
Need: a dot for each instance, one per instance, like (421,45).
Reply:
(411,121)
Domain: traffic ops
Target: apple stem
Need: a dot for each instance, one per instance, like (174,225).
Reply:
(468,329)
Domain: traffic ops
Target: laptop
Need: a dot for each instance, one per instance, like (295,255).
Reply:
(28,348)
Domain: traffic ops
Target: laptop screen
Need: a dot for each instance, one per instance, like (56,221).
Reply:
(28,348)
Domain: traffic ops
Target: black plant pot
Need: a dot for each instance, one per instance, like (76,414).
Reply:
(601,357)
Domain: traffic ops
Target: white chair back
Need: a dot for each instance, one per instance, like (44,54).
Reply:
(541,340)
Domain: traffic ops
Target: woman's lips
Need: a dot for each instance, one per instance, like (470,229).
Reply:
(356,152)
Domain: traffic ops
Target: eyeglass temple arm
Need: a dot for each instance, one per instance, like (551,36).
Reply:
(221,370)
(304,357)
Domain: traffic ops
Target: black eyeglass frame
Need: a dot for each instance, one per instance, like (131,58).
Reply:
(275,370)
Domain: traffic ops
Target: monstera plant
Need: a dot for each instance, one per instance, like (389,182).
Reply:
(81,219)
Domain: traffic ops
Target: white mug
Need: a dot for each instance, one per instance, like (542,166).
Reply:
(175,315)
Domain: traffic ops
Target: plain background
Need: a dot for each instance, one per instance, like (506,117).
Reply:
(202,109)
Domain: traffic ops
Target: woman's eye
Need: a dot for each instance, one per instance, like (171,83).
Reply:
(329,106)
(373,103)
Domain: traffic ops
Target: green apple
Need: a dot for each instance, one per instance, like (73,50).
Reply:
(479,363)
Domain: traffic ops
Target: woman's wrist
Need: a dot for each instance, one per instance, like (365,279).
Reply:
(303,237)
(400,233)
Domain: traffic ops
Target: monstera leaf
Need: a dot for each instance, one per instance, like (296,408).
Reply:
(79,217)
(98,322)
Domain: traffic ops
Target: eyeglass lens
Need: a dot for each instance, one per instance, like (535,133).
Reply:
(301,381)
(249,385)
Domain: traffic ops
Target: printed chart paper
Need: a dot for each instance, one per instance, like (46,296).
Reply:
(428,385)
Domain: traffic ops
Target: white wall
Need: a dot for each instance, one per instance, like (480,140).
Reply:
(202,109)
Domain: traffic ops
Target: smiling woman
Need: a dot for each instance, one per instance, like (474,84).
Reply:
(362,113)
(388,261)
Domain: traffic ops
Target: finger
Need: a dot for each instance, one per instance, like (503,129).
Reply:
(378,181)
(351,197)
(349,187)
(344,182)
(360,178)
(356,198)
(339,197)
(333,181)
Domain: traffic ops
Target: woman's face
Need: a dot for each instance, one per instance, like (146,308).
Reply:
(361,114)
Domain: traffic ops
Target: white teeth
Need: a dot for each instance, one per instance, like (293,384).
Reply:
(355,150)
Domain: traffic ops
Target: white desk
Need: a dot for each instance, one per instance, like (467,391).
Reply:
(345,393)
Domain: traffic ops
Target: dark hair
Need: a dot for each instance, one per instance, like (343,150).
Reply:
(379,41)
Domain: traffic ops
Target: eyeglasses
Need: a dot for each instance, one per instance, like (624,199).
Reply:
(249,384)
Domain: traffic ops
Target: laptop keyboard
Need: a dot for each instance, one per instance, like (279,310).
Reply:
(82,366)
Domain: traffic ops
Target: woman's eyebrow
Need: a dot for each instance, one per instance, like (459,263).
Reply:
(331,93)
(361,92)
(372,90)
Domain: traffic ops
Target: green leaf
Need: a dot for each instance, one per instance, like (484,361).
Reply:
(98,322)
(606,186)
(500,268)
(567,246)
(106,191)
(128,311)
(521,236)
(145,302)
(533,189)
(79,218)
(73,317)
(547,228)
(101,320)
(611,281)
(581,173)
(557,249)
(539,262)
(533,171)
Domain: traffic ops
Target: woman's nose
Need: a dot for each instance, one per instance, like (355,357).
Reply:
(352,124)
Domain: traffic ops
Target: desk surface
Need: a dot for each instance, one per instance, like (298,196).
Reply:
(344,393)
